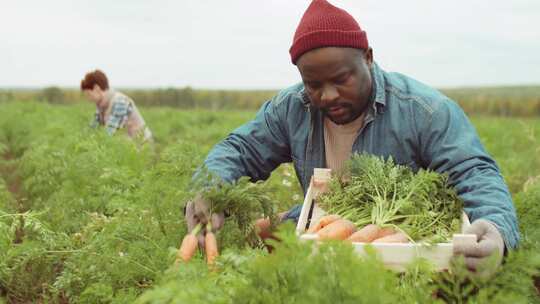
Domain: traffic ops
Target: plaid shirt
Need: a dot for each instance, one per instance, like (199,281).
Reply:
(121,113)
(121,108)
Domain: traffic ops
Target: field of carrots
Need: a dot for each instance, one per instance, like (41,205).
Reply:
(88,218)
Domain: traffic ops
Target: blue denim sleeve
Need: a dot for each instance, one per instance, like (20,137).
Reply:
(451,145)
(293,214)
(255,149)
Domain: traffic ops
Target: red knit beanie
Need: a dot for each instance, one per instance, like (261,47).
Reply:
(325,25)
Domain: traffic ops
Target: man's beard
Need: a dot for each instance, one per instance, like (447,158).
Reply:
(345,118)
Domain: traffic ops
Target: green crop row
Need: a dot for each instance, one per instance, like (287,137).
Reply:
(98,219)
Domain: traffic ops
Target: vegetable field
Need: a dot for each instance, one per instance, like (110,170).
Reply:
(88,218)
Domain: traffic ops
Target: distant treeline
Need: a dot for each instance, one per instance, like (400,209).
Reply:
(500,101)
(185,98)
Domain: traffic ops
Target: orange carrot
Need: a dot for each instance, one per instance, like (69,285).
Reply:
(189,246)
(323,222)
(366,234)
(398,237)
(210,245)
(385,232)
(262,227)
(338,230)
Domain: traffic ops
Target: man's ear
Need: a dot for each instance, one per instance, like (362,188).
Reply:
(368,56)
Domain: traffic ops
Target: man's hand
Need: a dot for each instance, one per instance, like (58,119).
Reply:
(489,242)
(197,212)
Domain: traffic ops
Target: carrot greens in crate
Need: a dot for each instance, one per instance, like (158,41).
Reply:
(372,190)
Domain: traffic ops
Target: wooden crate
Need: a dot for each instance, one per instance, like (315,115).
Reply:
(395,256)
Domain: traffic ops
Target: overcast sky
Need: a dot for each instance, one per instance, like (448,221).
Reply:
(244,44)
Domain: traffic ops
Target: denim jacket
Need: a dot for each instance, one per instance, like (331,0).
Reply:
(411,122)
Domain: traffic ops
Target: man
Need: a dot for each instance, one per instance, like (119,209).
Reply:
(114,110)
(346,104)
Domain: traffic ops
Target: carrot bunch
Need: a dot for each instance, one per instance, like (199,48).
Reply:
(374,190)
(244,202)
(333,227)
(190,243)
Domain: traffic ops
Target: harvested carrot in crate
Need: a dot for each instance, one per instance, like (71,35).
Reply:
(401,214)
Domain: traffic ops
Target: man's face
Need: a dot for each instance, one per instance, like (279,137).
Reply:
(338,81)
(95,95)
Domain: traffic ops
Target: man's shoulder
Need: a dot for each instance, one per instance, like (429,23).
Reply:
(289,106)
(291,96)
(402,90)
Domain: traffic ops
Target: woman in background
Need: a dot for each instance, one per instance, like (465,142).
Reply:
(114,110)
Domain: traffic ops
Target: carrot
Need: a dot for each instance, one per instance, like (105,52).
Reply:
(262,227)
(366,234)
(385,232)
(210,245)
(189,246)
(398,237)
(338,230)
(323,222)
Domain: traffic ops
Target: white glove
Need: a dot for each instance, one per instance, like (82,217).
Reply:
(489,242)
(197,212)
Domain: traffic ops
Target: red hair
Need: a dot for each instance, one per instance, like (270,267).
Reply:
(93,78)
